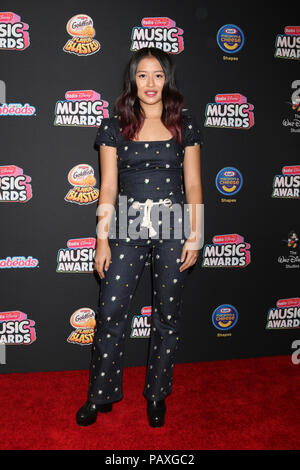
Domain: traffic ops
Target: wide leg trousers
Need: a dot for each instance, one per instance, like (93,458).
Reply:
(116,291)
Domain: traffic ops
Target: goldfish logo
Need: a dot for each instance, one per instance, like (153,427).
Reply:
(83,180)
(225,317)
(80,27)
(84,322)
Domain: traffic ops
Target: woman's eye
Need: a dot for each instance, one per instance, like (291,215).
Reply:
(159,76)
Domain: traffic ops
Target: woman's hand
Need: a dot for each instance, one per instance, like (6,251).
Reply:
(102,257)
(188,256)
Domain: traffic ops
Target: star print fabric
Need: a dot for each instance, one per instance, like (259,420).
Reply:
(117,289)
(149,170)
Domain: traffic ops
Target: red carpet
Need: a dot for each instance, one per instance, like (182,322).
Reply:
(232,404)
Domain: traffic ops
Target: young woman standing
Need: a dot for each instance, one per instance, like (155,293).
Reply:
(150,159)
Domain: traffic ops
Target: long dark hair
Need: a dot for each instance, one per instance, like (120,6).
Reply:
(128,106)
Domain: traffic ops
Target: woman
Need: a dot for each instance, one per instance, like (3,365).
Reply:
(149,144)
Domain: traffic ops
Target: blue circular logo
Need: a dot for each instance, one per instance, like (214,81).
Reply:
(230,38)
(229,181)
(225,317)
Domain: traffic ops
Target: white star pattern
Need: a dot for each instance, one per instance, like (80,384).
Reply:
(159,166)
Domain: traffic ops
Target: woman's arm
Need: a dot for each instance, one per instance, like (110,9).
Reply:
(108,190)
(105,209)
(194,198)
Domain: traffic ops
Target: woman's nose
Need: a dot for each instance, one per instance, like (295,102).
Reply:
(150,81)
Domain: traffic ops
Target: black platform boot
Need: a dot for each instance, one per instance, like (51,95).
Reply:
(87,414)
(156,412)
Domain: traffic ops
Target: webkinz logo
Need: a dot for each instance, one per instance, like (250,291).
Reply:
(287,185)
(78,257)
(83,180)
(84,322)
(285,316)
(226,251)
(83,108)
(230,111)
(14,34)
(287,45)
(16,328)
(80,27)
(159,32)
(141,324)
(14,185)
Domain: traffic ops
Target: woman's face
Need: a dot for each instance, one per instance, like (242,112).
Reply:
(150,79)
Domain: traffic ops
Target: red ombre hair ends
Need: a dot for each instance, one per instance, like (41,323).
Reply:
(128,107)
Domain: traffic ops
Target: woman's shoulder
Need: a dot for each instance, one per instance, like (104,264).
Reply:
(111,122)
(192,133)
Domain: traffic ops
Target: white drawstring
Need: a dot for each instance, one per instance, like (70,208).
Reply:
(147,212)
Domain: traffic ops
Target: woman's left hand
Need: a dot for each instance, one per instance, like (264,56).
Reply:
(188,256)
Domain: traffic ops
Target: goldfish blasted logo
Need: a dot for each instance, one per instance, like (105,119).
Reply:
(83,180)
(84,322)
(82,44)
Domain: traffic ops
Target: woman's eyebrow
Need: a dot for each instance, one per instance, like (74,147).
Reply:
(138,71)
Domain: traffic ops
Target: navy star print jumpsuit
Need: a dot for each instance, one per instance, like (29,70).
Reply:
(149,174)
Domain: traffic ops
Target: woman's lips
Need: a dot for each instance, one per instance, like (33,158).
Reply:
(150,93)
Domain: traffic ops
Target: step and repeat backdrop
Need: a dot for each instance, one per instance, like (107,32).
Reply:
(61,70)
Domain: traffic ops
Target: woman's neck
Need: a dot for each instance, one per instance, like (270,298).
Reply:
(152,111)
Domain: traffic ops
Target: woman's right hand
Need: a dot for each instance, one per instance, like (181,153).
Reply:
(102,257)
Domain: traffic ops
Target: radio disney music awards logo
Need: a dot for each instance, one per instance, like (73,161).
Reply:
(226,251)
(14,35)
(82,178)
(141,324)
(16,328)
(83,320)
(230,39)
(291,258)
(13,109)
(14,185)
(230,111)
(224,318)
(82,44)
(159,32)
(78,257)
(83,108)
(293,120)
(18,262)
(285,316)
(287,184)
(287,45)
(229,181)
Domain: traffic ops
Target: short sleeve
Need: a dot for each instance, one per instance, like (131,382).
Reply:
(192,134)
(106,134)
